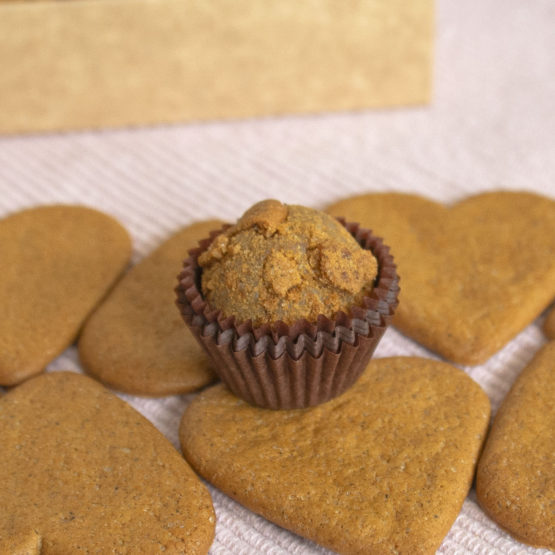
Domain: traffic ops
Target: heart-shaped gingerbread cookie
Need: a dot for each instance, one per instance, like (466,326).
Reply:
(515,482)
(57,264)
(84,472)
(473,274)
(136,341)
(384,468)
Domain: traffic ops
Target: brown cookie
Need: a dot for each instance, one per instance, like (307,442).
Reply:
(57,263)
(84,472)
(383,468)
(472,275)
(136,341)
(549,324)
(515,482)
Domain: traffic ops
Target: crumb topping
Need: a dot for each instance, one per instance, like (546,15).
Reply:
(285,262)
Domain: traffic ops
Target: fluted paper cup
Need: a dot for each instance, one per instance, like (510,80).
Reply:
(280,366)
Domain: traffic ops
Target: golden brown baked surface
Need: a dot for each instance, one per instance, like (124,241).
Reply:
(285,263)
(383,468)
(473,274)
(136,341)
(84,472)
(549,324)
(515,481)
(57,264)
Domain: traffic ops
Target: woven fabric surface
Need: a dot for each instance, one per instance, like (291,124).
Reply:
(491,125)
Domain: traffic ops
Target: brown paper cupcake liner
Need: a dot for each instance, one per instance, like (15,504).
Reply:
(283,366)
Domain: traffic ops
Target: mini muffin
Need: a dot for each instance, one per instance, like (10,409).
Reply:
(289,303)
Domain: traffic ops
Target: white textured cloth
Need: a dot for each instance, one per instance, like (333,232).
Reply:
(491,125)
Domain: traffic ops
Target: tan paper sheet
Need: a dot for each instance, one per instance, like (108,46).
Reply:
(95,63)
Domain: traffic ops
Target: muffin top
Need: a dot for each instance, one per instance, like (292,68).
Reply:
(285,262)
